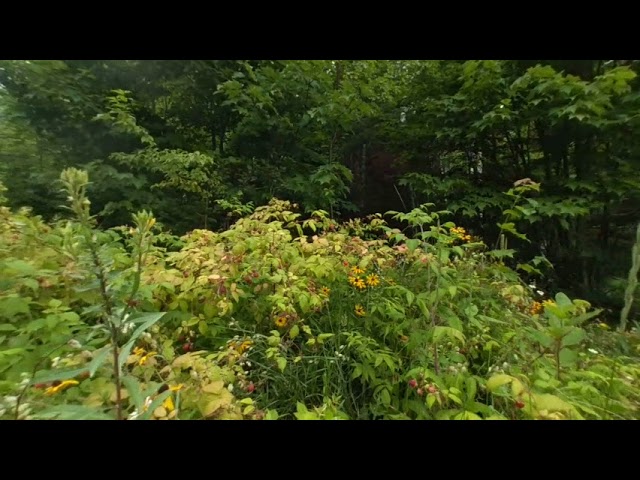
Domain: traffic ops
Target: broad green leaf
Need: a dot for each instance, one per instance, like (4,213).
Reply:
(282,363)
(497,381)
(294,332)
(574,337)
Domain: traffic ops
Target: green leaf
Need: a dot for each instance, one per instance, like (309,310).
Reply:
(135,391)
(567,357)
(147,320)
(282,363)
(497,381)
(576,336)
(412,244)
(471,387)
(452,333)
(271,415)
(294,332)
(562,300)
(323,336)
(423,308)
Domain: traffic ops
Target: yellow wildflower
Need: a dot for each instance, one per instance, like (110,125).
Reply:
(535,308)
(604,326)
(168,404)
(360,311)
(359,283)
(176,388)
(352,280)
(146,357)
(373,280)
(139,351)
(357,270)
(281,322)
(548,303)
(244,346)
(325,291)
(61,386)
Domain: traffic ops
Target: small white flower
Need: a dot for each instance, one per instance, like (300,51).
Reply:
(533,286)
(75,344)
(147,402)
(133,415)
(591,350)
(539,292)
(248,364)
(310,361)
(230,387)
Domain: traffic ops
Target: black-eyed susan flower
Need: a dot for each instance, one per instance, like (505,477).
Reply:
(139,351)
(536,308)
(281,321)
(360,311)
(61,386)
(357,270)
(244,346)
(373,280)
(359,284)
(352,280)
(325,291)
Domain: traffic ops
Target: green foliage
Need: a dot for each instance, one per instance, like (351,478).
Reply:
(264,322)
(537,159)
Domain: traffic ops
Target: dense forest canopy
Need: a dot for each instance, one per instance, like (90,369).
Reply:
(544,153)
(198,140)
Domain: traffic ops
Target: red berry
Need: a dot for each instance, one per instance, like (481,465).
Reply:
(187,347)
(432,389)
(345,263)
(255,274)
(519,404)
(251,387)
(413,383)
